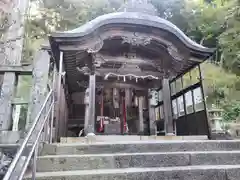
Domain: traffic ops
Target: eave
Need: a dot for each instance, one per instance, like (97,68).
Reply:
(133,18)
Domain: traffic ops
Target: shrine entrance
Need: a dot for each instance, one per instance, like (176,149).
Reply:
(130,73)
(121,111)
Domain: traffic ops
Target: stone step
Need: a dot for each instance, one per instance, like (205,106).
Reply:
(141,146)
(135,160)
(166,173)
(117,138)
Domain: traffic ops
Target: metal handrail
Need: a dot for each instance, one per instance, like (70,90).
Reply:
(21,161)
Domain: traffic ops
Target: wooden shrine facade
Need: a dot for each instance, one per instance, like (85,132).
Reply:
(117,59)
(188,105)
(129,72)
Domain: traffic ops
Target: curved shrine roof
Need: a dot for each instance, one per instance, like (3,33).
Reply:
(134,18)
(159,45)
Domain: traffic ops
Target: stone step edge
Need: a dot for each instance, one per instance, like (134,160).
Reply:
(9,145)
(136,154)
(107,138)
(134,170)
(144,142)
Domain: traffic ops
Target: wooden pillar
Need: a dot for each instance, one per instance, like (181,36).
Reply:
(152,117)
(58,100)
(86,118)
(128,103)
(128,97)
(54,85)
(91,112)
(140,97)
(66,117)
(62,116)
(167,107)
(116,98)
(209,129)
(141,119)
(39,85)
(123,111)
(62,111)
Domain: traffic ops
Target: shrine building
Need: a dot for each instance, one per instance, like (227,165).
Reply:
(129,73)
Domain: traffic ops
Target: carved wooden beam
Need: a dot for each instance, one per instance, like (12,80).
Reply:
(121,59)
(123,86)
(118,84)
(95,44)
(103,71)
(100,85)
(21,70)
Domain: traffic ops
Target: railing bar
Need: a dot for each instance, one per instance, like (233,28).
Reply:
(34,145)
(15,160)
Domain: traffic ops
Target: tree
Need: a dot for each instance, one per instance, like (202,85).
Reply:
(230,39)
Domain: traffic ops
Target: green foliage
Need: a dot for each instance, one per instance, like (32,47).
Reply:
(214,24)
(70,14)
(231,111)
(230,39)
(219,84)
(205,21)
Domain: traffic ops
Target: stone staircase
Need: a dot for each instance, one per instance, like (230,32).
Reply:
(151,160)
(140,160)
